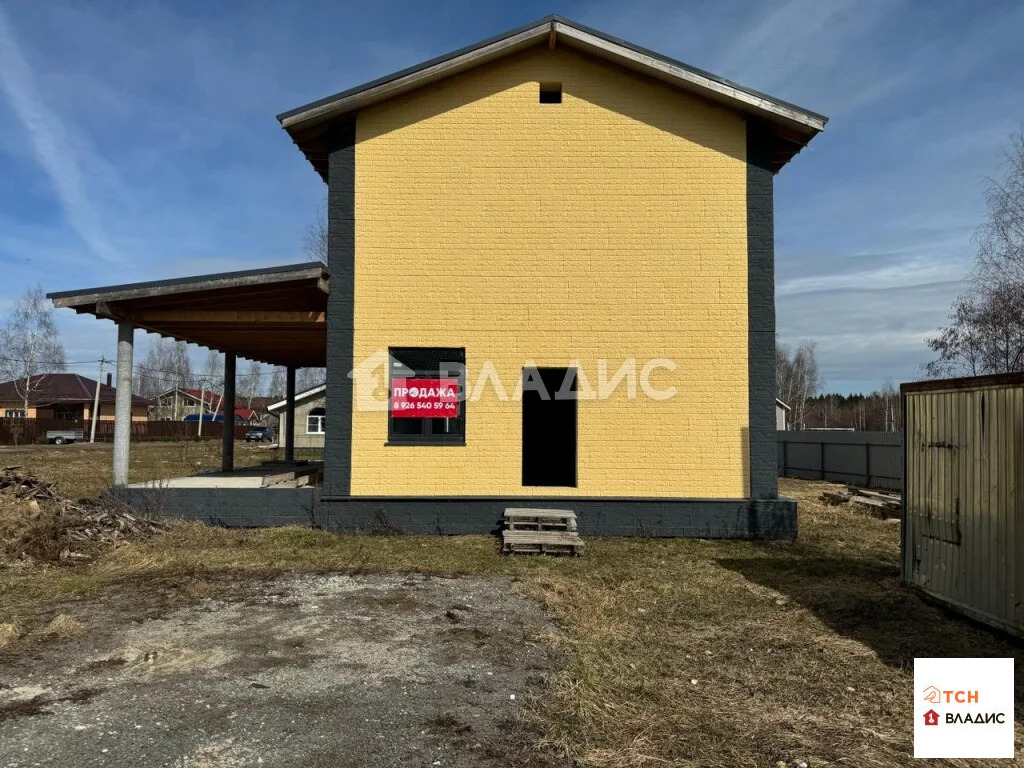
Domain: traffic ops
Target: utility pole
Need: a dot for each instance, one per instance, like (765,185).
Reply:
(96,402)
(202,401)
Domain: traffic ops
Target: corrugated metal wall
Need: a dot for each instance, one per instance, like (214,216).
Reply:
(869,459)
(963,525)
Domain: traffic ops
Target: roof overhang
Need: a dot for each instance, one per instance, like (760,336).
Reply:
(795,126)
(309,394)
(276,315)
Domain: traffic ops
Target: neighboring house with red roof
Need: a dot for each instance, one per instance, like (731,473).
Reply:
(63,397)
(180,402)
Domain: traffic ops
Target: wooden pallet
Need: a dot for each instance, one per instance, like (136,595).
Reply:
(541,542)
(525,519)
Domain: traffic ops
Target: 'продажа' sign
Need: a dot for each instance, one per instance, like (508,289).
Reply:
(425,398)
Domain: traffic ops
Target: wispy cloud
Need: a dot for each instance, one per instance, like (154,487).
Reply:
(56,147)
(899,273)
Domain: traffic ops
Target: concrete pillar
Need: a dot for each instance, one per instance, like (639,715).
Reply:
(227,440)
(123,401)
(289,410)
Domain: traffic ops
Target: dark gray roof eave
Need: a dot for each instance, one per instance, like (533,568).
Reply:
(546,20)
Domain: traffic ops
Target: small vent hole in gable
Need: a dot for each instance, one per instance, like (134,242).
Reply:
(550,93)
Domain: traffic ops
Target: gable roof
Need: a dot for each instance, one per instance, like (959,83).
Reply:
(49,388)
(794,125)
(309,394)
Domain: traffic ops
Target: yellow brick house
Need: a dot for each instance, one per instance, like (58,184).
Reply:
(553,205)
(550,283)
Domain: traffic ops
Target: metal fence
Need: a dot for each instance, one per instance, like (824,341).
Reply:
(869,459)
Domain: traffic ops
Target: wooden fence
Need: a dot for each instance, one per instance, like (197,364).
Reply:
(30,431)
(869,459)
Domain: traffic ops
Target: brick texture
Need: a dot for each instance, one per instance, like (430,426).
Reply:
(610,226)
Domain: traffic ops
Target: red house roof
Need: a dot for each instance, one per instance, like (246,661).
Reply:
(50,388)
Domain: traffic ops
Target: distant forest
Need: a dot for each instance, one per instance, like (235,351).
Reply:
(880,411)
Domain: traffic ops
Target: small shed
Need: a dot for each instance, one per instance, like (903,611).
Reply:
(781,414)
(963,518)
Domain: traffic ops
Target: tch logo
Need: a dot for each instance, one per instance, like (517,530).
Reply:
(963,707)
(934,696)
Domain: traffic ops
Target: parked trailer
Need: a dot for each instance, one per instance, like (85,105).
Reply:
(61,436)
(963,498)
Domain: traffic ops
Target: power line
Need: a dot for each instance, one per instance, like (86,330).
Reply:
(49,362)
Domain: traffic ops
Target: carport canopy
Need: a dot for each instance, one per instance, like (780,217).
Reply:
(276,315)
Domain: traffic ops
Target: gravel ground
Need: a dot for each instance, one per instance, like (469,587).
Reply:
(307,671)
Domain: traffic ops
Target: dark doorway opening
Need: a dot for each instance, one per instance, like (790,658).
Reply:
(549,427)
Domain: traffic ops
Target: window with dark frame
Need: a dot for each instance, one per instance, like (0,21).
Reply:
(427,363)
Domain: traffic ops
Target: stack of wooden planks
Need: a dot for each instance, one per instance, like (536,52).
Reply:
(292,474)
(882,504)
(541,532)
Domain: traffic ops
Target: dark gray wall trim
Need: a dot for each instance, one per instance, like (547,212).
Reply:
(230,507)
(341,252)
(703,518)
(761,310)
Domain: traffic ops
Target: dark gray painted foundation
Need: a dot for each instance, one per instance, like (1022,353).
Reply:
(229,507)
(263,507)
(702,518)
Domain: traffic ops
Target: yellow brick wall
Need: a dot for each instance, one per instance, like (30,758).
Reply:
(610,226)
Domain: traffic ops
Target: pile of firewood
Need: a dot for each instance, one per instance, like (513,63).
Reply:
(71,523)
(883,505)
(22,485)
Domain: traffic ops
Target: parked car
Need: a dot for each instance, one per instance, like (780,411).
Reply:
(61,436)
(259,435)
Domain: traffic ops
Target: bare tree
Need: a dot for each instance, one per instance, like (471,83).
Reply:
(250,383)
(314,240)
(165,367)
(276,384)
(797,379)
(307,378)
(213,371)
(985,333)
(30,344)
(1000,238)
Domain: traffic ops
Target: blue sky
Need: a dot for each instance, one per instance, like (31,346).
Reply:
(138,141)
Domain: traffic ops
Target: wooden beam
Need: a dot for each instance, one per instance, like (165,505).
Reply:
(229,316)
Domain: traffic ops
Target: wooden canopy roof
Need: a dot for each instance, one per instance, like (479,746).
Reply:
(276,315)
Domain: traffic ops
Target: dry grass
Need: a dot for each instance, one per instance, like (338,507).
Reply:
(684,652)
(83,470)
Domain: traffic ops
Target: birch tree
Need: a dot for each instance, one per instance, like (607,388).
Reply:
(985,333)
(250,383)
(276,384)
(30,344)
(797,379)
